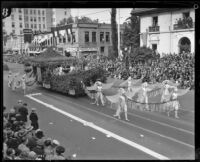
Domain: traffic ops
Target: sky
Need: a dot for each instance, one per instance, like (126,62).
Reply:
(103,14)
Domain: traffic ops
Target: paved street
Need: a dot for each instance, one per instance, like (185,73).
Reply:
(148,135)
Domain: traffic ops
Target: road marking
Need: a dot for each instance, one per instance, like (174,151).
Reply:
(133,125)
(122,139)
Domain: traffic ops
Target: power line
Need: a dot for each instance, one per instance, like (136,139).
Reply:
(91,13)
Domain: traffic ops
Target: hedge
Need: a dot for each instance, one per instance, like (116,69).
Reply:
(72,81)
(5,67)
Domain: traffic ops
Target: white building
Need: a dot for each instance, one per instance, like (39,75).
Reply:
(160,31)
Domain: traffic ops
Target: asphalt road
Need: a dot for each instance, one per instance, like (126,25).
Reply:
(172,138)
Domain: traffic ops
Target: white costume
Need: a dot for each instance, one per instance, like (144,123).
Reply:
(166,96)
(10,79)
(23,80)
(129,84)
(122,106)
(174,104)
(143,98)
(99,94)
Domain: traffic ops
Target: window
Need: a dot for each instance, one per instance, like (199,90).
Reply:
(20,17)
(155,21)
(13,31)
(65,12)
(13,24)
(64,40)
(38,12)
(12,17)
(86,36)
(30,11)
(35,19)
(39,26)
(43,18)
(25,11)
(101,36)
(31,19)
(26,18)
(94,37)
(102,49)
(34,11)
(39,19)
(26,25)
(107,37)
(186,14)
(31,26)
(154,47)
(43,12)
(35,26)
(21,32)
(44,26)
(20,11)
(20,25)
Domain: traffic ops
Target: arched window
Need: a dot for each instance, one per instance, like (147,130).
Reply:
(184,45)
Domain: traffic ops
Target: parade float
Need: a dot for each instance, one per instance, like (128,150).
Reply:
(63,74)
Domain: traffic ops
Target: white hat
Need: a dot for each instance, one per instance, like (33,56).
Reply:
(129,78)
(56,142)
(144,84)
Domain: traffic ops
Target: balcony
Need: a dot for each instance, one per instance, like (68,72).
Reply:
(154,28)
(184,26)
(90,44)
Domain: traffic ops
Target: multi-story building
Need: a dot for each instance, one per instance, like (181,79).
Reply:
(85,39)
(37,19)
(167,30)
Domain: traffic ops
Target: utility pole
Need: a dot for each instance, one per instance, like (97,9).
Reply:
(119,54)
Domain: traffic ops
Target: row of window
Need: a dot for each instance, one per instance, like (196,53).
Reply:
(34,26)
(34,12)
(26,18)
(27,25)
(102,39)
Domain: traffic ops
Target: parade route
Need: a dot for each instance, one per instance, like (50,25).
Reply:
(91,132)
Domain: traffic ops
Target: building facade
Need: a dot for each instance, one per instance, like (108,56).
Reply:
(167,30)
(36,19)
(81,39)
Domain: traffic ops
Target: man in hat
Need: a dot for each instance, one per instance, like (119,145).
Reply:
(23,110)
(34,119)
(122,106)
(18,106)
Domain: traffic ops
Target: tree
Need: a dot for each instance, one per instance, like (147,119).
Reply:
(114,33)
(85,19)
(131,37)
(66,21)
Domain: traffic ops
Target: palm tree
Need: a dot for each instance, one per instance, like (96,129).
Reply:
(114,33)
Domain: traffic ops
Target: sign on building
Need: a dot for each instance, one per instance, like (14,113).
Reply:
(27,35)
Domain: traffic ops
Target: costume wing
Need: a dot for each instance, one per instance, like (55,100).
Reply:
(135,90)
(92,88)
(107,86)
(170,83)
(133,83)
(114,98)
(182,92)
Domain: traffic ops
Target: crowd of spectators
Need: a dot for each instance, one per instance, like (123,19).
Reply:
(174,67)
(22,138)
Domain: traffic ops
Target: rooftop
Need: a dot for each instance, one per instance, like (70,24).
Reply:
(146,11)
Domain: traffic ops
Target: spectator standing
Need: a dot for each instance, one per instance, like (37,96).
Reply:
(23,110)
(19,105)
(34,119)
